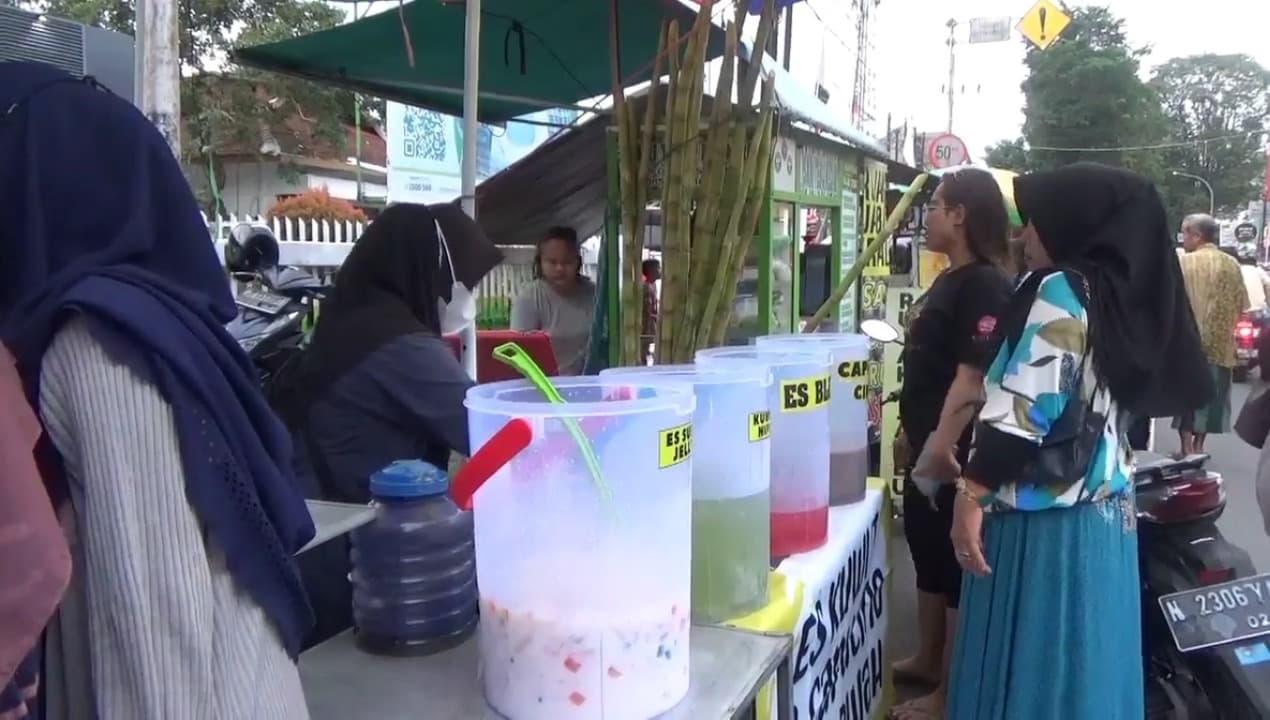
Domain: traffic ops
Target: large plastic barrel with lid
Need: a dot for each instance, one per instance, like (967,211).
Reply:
(584,543)
(414,565)
(731,472)
(848,408)
(799,401)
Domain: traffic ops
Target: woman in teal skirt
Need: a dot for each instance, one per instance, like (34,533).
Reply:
(1050,624)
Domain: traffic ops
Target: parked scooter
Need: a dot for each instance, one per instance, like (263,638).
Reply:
(1206,612)
(275,303)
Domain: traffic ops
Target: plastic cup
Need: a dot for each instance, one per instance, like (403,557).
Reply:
(799,400)
(731,473)
(848,410)
(585,586)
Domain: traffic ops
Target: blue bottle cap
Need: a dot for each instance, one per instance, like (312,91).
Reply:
(409,479)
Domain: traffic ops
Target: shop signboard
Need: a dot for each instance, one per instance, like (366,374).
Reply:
(783,179)
(849,216)
(818,172)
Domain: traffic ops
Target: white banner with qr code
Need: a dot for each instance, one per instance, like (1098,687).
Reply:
(423,155)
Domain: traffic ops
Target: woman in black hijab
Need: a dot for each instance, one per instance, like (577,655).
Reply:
(1099,332)
(378,383)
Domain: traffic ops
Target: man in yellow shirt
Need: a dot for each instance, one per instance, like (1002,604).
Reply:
(1215,287)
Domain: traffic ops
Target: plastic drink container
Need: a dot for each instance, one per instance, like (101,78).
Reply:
(799,400)
(585,582)
(731,471)
(414,569)
(848,410)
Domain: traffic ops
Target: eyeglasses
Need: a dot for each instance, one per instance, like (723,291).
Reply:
(936,206)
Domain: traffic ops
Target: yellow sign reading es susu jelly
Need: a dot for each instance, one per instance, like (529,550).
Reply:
(674,445)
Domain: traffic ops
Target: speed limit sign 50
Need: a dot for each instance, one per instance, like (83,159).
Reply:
(946,150)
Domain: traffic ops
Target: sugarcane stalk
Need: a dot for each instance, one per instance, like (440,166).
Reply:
(752,181)
(681,125)
(748,228)
(873,248)
(766,21)
(714,191)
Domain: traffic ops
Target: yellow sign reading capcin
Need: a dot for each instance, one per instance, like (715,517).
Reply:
(674,445)
(805,394)
(1044,23)
(853,369)
(760,425)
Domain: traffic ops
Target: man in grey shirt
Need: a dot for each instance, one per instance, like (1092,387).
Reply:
(560,300)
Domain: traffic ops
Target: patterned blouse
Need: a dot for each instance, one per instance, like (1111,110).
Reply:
(1027,388)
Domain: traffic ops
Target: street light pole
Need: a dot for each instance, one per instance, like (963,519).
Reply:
(1212,200)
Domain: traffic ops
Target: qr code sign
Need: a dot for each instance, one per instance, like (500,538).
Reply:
(424,135)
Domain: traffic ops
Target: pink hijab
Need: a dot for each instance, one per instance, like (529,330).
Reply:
(35,563)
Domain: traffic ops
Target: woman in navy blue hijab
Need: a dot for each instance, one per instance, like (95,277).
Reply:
(174,477)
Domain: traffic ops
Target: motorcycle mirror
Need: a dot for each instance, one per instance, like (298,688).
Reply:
(880,330)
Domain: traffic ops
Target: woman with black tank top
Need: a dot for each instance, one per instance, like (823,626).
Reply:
(949,343)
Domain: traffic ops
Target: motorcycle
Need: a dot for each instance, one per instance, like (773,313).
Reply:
(275,303)
(1248,342)
(1205,610)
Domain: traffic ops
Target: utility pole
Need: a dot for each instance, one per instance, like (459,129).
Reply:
(952,67)
(860,105)
(157,67)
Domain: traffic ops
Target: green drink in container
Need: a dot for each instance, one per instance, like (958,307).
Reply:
(731,468)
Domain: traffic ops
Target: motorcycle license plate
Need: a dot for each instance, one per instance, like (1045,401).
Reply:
(1218,614)
(1246,353)
(262,300)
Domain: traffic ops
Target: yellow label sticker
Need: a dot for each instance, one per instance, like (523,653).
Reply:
(674,445)
(760,425)
(853,369)
(804,394)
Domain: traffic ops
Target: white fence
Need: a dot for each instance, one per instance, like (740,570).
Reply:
(322,245)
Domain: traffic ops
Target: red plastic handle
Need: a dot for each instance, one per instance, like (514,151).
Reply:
(493,455)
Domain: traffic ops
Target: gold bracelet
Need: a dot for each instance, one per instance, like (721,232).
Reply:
(964,490)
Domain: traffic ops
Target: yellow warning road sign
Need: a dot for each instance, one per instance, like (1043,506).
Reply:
(1044,23)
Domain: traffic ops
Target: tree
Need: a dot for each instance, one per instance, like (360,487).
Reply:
(1008,155)
(1214,96)
(1084,92)
(234,107)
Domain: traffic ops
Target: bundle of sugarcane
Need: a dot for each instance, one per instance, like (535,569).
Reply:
(715,186)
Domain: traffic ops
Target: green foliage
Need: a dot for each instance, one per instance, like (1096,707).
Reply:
(1084,92)
(1214,96)
(237,109)
(1008,155)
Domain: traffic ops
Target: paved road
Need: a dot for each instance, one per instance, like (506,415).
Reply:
(1241,523)
(1237,462)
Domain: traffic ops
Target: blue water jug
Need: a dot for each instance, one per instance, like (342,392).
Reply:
(414,565)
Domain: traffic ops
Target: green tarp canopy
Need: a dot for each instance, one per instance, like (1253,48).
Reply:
(535,54)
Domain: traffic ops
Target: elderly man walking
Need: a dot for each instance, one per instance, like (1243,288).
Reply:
(1215,287)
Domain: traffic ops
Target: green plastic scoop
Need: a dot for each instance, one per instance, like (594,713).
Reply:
(513,355)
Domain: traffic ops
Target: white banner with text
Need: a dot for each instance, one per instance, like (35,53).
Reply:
(838,645)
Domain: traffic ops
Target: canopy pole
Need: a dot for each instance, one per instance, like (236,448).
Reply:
(471,84)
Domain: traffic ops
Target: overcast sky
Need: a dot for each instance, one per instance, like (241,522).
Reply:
(992,107)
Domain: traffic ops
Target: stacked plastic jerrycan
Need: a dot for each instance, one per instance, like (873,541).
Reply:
(848,408)
(414,572)
(731,472)
(799,401)
(583,545)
